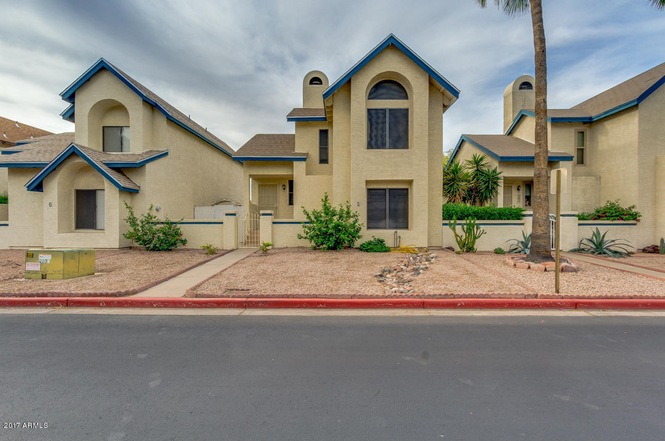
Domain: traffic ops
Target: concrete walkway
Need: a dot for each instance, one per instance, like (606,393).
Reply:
(177,286)
(615,265)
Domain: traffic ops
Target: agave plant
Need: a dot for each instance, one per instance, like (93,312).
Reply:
(597,244)
(520,246)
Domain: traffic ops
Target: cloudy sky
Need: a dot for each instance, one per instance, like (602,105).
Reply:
(237,66)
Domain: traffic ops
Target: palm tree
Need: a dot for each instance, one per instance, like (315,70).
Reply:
(540,237)
(660,4)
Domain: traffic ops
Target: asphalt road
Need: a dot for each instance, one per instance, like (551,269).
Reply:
(331,378)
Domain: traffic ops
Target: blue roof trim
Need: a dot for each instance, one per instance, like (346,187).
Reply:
(492,154)
(68,113)
(69,95)
(392,40)
(271,158)
(35,184)
(290,223)
(24,165)
(9,152)
(137,164)
(306,118)
(474,143)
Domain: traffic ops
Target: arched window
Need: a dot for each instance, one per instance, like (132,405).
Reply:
(388,90)
(387,123)
(526,86)
(315,81)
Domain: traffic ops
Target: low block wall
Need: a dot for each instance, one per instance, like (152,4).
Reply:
(199,232)
(4,212)
(498,233)
(285,234)
(625,230)
(4,235)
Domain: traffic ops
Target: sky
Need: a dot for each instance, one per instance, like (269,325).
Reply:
(237,66)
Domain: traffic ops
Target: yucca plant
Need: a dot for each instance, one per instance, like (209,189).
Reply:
(598,245)
(455,182)
(520,246)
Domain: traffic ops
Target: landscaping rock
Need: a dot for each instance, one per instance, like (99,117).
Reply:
(651,249)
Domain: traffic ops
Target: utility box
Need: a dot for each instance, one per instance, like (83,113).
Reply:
(59,264)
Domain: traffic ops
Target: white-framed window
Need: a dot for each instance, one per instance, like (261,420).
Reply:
(89,207)
(116,139)
(388,208)
(580,147)
(387,127)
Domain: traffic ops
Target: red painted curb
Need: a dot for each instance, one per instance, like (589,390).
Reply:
(34,301)
(333,303)
(153,302)
(487,303)
(621,304)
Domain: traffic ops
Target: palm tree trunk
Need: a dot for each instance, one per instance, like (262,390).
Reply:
(540,237)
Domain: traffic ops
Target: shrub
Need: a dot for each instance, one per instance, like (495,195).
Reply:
(612,211)
(150,232)
(463,211)
(374,245)
(473,182)
(265,246)
(209,249)
(499,250)
(331,228)
(598,245)
(521,246)
(3,198)
(471,232)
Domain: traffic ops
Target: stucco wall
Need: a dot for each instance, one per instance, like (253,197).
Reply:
(25,211)
(497,235)
(203,231)
(4,212)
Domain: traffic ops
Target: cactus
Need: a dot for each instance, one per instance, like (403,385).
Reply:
(661,247)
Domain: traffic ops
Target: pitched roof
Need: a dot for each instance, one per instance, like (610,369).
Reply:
(11,131)
(170,112)
(273,147)
(507,148)
(392,40)
(307,114)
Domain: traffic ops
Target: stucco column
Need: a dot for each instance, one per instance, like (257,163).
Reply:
(569,231)
(266,226)
(660,197)
(230,231)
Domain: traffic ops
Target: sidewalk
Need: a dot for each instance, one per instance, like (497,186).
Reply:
(616,265)
(177,286)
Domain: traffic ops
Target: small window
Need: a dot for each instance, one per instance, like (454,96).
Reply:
(290,191)
(89,209)
(323,146)
(387,128)
(315,81)
(580,147)
(116,139)
(525,85)
(388,208)
(388,90)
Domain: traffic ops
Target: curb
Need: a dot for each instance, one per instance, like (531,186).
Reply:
(315,303)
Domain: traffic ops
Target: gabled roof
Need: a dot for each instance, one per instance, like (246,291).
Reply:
(11,131)
(392,40)
(274,147)
(623,96)
(170,112)
(505,148)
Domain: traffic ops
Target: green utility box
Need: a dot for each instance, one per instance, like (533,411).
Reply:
(59,264)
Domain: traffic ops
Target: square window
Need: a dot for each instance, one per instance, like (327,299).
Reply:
(387,128)
(116,139)
(388,208)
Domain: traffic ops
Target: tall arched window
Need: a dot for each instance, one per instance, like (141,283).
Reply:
(387,123)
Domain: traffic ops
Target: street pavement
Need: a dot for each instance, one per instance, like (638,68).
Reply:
(225,377)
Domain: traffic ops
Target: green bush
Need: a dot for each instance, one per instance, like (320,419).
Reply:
(612,211)
(331,228)
(209,249)
(3,198)
(265,246)
(463,211)
(150,232)
(499,250)
(374,245)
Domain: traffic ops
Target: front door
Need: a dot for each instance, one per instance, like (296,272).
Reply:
(268,198)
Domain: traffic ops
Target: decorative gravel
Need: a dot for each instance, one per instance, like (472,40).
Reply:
(118,273)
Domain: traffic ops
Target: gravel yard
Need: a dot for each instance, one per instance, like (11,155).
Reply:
(118,272)
(297,272)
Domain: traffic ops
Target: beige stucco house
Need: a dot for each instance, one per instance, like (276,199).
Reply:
(129,145)
(373,138)
(611,145)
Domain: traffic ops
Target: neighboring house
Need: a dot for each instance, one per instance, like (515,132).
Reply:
(612,146)
(129,145)
(372,138)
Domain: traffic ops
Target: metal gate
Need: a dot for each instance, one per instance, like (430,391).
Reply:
(251,231)
(552,231)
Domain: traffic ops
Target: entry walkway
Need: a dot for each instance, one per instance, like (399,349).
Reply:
(616,265)
(177,286)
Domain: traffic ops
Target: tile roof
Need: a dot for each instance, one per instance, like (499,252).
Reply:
(12,131)
(270,146)
(509,148)
(149,96)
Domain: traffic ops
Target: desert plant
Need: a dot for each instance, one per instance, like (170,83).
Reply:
(522,246)
(374,245)
(661,247)
(209,249)
(331,228)
(265,246)
(597,244)
(472,182)
(612,211)
(151,233)
(3,198)
(455,182)
(471,232)
(499,250)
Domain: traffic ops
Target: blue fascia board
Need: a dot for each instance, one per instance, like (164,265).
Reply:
(24,165)
(68,113)
(531,158)
(9,152)
(456,149)
(528,158)
(392,40)
(35,184)
(69,95)
(306,119)
(479,146)
(271,158)
(137,164)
